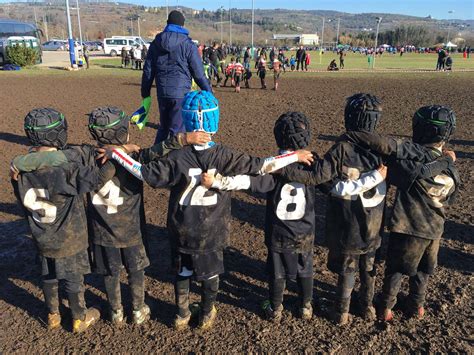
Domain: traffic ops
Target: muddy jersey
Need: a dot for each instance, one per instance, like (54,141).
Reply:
(420,209)
(116,210)
(198,218)
(289,217)
(53,199)
(352,222)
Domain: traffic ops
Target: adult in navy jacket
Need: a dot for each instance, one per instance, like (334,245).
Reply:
(172,62)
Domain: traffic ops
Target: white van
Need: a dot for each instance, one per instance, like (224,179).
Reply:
(113,46)
(137,39)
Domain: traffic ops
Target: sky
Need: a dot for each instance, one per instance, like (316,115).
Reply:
(463,9)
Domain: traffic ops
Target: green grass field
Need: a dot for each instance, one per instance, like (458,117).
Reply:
(355,61)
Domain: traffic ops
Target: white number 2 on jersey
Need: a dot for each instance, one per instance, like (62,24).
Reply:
(113,201)
(196,197)
(31,202)
(291,194)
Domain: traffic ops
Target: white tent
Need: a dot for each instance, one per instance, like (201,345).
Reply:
(450,45)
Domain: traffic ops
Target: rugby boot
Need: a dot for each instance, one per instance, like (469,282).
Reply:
(181,323)
(141,315)
(80,325)
(341,318)
(386,315)
(54,320)
(272,314)
(116,316)
(369,313)
(207,320)
(306,312)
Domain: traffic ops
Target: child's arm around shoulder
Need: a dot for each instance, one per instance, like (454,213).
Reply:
(262,184)
(365,182)
(321,171)
(389,146)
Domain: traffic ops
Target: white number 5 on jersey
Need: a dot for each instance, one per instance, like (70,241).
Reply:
(31,202)
(291,194)
(113,201)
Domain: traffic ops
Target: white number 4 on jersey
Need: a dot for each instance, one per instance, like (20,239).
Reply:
(113,201)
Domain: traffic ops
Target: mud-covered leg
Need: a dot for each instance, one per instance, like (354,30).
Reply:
(51,298)
(112,289)
(141,312)
(391,286)
(82,317)
(418,285)
(367,285)
(305,285)
(209,290)
(181,289)
(345,285)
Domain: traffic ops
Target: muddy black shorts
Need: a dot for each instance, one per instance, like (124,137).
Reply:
(204,265)
(262,74)
(350,263)
(111,260)
(63,268)
(407,254)
(289,264)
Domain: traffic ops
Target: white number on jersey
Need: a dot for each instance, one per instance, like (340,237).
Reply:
(374,196)
(291,194)
(194,195)
(440,192)
(113,201)
(34,205)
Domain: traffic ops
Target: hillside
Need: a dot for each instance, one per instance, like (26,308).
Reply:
(107,19)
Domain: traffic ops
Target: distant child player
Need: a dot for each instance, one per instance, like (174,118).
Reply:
(238,73)
(228,72)
(53,199)
(262,70)
(276,73)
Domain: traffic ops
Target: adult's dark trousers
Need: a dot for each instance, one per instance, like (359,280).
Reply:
(171,121)
(298,63)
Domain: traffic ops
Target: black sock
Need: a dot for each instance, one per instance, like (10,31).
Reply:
(181,289)
(210,288)
(51,297)
(306,289)
(277,288)
(136,281)
(112,289)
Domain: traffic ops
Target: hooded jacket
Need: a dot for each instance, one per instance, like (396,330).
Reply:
(173,61)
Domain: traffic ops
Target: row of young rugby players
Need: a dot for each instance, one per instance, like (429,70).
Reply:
(50,185)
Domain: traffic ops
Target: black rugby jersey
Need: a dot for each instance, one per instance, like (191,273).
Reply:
(54,203)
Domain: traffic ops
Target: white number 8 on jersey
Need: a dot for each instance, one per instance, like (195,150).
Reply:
(291,194)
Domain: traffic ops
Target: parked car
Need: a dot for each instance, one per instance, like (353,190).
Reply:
(113,46)
(94,45)
(137,39)
(54,45)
